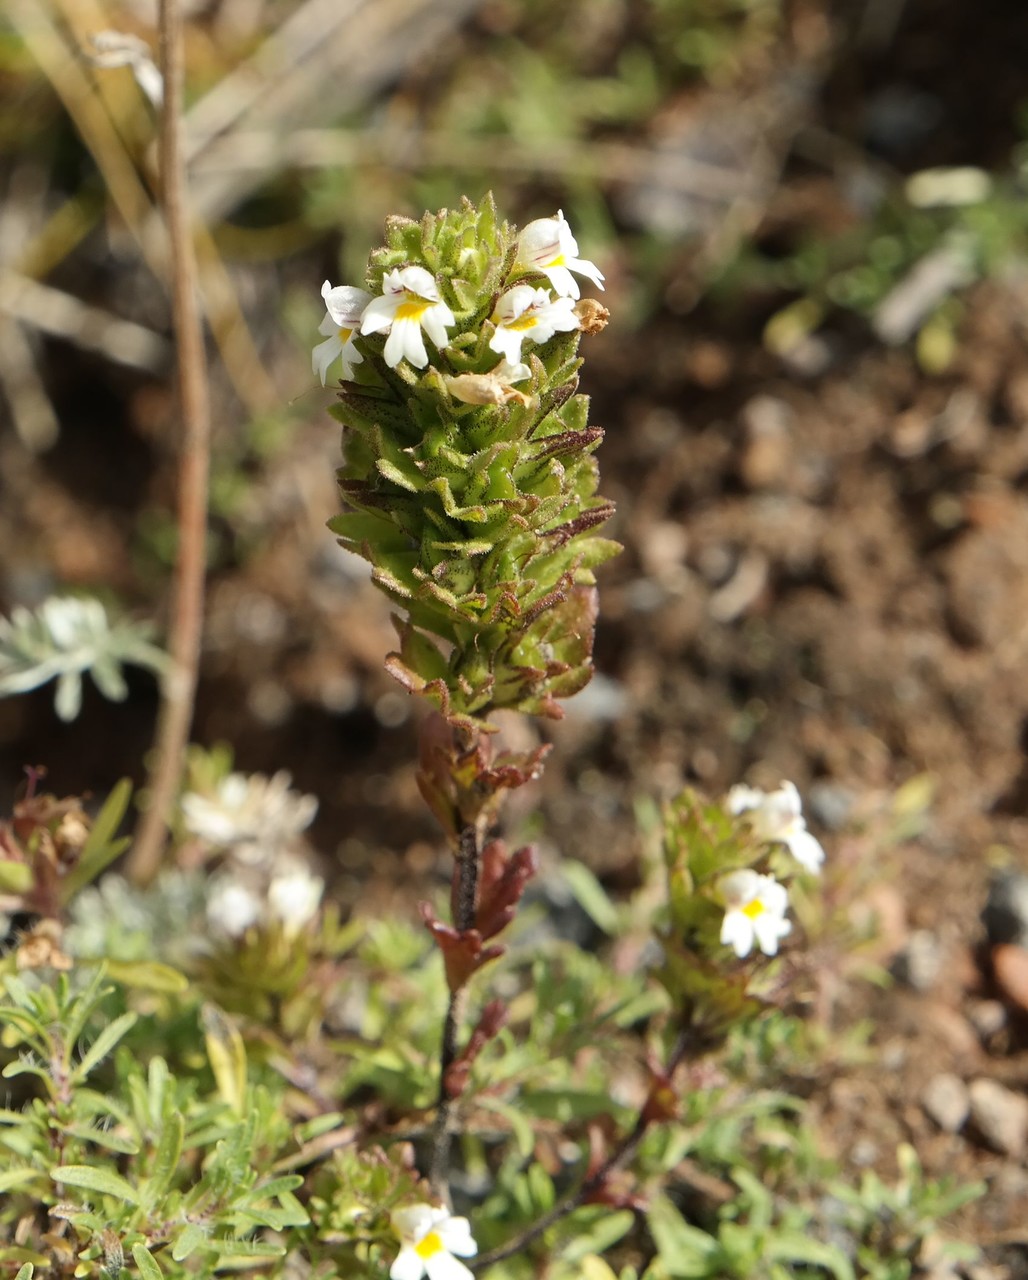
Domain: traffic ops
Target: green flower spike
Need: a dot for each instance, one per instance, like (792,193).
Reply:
(474,501)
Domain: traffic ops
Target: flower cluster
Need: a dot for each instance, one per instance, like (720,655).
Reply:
(411,302)
(264,879)
(469,478)
(755,905)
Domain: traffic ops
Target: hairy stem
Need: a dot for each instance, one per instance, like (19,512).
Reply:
(618,1158)
(468,854)
(179,688)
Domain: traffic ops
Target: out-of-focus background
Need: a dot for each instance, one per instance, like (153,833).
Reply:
(812,220)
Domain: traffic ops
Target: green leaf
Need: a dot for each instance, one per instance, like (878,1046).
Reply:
(148,975)
(598,1236)
(103,1045)
(96,1178)
(149,1267)
(15,1177)
(166,1157)
(685,1250)
(15,877)
(793,1247)
(101,848)
(25,1272)
(188,1240)
(591,896)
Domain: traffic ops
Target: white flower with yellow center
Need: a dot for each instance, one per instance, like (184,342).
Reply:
(777,816)
(524,312)
(755,907)
(409,302)
(429,1237)
(547,245)
(345,305)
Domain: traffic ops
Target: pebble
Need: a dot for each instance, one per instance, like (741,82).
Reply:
(920,962)
(1010,969)
(988,1017)
(1000,1116)
(831,804)
(1005,915)
(946,1100)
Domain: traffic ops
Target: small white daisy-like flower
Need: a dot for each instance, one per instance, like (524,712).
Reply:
(345,305)
(524,312)
(547,245)
(253,815)
(777,816)
(409,302)
(429,1237)
(755,908)
(294,896)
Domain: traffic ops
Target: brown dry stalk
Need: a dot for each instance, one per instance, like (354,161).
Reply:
(179,688)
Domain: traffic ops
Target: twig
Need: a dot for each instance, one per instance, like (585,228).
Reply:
(618,1158)
(188,588)
(468,855)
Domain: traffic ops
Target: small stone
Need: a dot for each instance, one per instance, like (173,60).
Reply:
(1000,1116)
(946,1101)
(988,1017)
(1010,968)
(920,963)
(1005,916)
(831,804)
(767,456)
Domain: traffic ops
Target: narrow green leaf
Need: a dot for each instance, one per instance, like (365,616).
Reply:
(166,1157)
(102,1045)
(15,1177)
(94,1178)
(188,1240)
(149,1267)
(148,975)
(25,1272)
(101,848)
(591,896)
(685,1250)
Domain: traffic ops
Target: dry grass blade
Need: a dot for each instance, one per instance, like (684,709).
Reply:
(91,328)
(329,57)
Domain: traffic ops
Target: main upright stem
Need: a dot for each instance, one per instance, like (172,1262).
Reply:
(468,855)
(179,687)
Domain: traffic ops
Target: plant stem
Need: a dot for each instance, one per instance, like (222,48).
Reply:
(179,688)
(468,854)
(618,1158)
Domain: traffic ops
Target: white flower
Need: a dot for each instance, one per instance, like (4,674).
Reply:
(231,908)
(524,312)
(777,816)
(409,303)
(253,814)
(294,896)
(754,912)
(547,245)
(345,306)
(429,1237)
